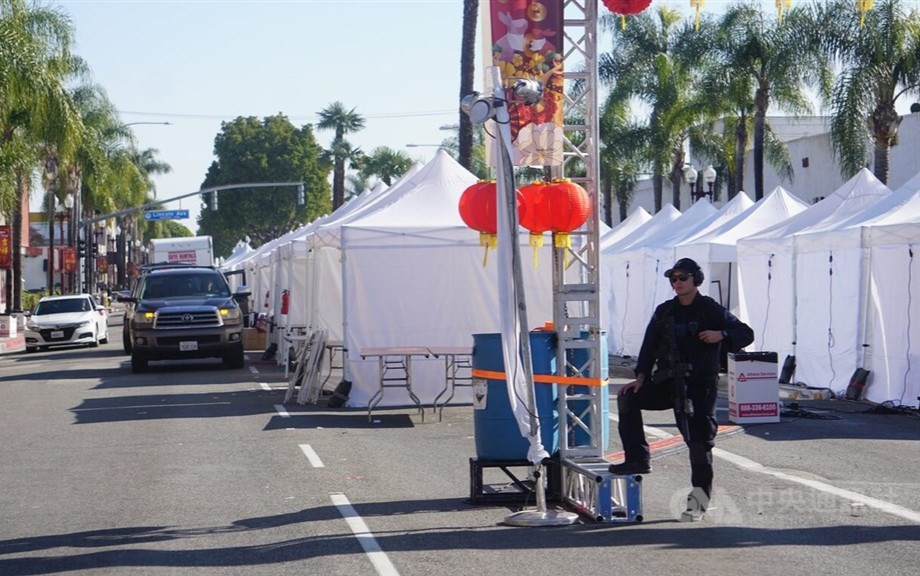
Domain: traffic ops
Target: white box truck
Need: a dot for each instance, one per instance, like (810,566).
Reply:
(198,250)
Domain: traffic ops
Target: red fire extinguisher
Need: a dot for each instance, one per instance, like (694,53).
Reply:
(285,301)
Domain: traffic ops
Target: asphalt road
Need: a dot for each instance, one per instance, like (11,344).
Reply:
(195,469)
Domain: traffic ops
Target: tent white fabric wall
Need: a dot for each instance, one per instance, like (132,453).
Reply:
(413,274)
(766,268)
(715,251)
(830,289)
(890,229)
(620,282)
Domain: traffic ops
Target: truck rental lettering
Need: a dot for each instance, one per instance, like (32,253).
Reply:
(183,256)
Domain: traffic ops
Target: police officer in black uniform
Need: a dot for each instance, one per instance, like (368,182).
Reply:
(683,343)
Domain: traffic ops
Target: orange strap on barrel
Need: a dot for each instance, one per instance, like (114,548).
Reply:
(544,378)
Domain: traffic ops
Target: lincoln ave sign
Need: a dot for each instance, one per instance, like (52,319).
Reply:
(166,215)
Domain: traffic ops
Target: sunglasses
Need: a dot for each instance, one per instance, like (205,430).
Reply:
(682,278)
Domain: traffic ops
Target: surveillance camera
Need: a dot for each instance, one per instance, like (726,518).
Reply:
(477,107)
(527,90)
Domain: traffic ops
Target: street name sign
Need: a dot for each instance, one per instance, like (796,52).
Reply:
(166,215)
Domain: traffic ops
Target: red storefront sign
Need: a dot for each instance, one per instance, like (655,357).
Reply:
(6,248)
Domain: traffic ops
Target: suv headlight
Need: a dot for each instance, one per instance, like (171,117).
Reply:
(34,326)
(143,319)
(230,315)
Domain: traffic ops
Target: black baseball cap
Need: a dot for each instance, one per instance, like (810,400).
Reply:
(685,264)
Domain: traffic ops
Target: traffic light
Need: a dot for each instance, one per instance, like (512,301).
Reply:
(95,249)
(81,248)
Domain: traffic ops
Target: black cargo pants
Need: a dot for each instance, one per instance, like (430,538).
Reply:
(702,392)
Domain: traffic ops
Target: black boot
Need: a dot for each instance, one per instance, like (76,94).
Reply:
(630,468)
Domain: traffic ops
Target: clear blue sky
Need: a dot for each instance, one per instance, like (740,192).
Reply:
(195,64)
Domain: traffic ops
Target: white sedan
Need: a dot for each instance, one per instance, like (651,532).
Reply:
(66,321)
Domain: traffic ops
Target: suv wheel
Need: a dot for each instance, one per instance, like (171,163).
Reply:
(235,359)
(138,364)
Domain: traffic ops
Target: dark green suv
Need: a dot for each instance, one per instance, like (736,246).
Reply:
(177,312)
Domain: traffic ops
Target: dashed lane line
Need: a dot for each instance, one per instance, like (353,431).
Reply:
(282,411)
(358,527)
(312,456)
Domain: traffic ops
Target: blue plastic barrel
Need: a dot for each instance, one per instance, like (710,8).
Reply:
(496,431)
(579,358)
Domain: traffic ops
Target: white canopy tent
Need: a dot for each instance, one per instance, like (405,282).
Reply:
(893,315)
(715,250)
(718,287)
(639,267)
(632,222)
(767,273)
(879,241)
(413,275)
(618,281)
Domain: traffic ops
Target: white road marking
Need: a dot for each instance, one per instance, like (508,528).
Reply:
(265,386)
(281,411)
(751,465)
(881,505)
(253,369)
(312,456)
(377,556)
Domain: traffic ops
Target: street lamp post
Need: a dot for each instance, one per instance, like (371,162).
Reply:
(709,176)
(62,214)
(690,175)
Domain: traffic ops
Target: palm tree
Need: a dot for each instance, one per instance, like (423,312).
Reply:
(881,63)
(36,111)
(467,72)
(621,161)
(386,164)
(337,117)
(647,63)
(781,59)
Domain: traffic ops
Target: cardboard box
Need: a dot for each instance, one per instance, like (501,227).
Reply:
(753,387)
(254,340)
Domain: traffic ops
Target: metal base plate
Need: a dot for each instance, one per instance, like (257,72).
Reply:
(538,518)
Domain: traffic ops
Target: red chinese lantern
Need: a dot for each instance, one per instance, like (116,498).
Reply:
(478,209)
(626,8)
(534,217)
(566,206)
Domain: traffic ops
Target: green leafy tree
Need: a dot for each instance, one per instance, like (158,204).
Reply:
(385,164)
(781,59)
(172,229)
(343,121)
(621,161)
(250,150)
(880,59)
(650,63)
(36,112)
